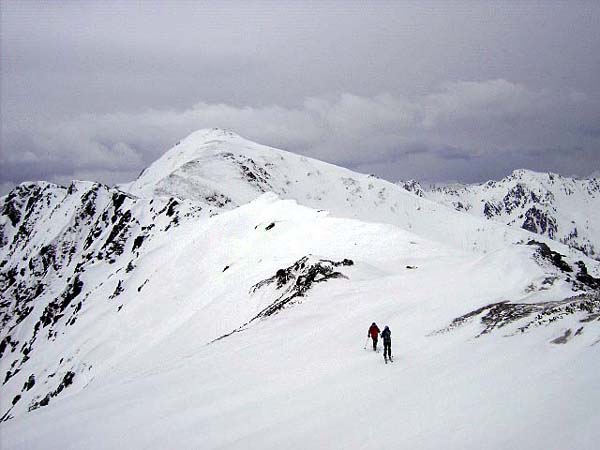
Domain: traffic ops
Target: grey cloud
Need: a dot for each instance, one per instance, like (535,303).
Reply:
(450,152)
(437,90)
(124,56)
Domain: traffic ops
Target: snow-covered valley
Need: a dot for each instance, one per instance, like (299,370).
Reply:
(222,300)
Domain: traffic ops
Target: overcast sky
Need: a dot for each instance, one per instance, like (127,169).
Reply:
(436,91)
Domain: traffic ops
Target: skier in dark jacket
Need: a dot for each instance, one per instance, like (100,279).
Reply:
(373,333)
(386,335)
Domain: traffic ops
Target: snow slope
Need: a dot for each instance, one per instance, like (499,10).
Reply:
(561,208)
(149,321)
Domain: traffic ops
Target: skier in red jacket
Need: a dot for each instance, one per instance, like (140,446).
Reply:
(373,333)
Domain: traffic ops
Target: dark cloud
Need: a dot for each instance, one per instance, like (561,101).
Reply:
(435,91)
(449,152)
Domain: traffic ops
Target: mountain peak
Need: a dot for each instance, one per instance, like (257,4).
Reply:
(196,167)
(212,133)
(530,174)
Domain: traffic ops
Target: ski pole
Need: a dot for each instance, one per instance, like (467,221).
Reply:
(366,342)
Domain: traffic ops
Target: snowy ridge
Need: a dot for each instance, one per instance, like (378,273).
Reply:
(202,312)
(223,170)
(561,208)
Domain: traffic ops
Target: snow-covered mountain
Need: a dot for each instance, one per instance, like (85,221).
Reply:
(221,171)
(222,301)
(561,208)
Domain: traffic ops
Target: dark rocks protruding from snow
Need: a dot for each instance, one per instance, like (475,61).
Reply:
(491,209)
(137,243)
(412,186)
(255,174)
(171,209)
(12,210)
(48,257)
(538,221)
(563,339)
(582,279)
(7,343)
(115,243)
(501,314)
(55,309)
(518,196)
(29,383)
(141,286)
(550,255)
(65,383)
(294,282)
(217,199)
(297,279)
(343,262)
(118,290)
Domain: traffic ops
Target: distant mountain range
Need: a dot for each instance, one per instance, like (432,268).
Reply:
(564,209)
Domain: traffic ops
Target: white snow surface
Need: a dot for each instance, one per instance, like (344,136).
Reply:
(152,373)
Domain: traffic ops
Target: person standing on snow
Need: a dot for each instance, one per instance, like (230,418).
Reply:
(386,335)
(373,333)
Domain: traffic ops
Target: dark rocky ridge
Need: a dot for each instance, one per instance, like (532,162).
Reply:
(585,307)
(581,279)
(292,283)
(296,280)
